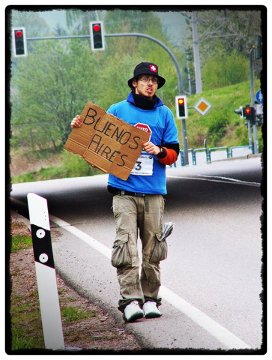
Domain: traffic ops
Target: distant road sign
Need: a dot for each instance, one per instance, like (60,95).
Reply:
(259,97)
(203,106)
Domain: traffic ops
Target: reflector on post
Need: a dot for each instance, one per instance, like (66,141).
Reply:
(45,272)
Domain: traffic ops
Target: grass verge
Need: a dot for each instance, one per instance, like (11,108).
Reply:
(85,325)
(71,165)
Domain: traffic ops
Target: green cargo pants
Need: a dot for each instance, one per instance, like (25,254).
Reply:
(141,215)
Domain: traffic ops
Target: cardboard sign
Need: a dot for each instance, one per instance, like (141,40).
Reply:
(106,142)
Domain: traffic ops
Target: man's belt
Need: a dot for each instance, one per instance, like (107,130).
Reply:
(129,193)
(116,191)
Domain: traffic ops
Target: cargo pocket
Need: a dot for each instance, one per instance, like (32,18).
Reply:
(121,254)
(160,249)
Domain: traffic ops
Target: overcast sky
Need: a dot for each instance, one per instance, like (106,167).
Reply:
(173,21)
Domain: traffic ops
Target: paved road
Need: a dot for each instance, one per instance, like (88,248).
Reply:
(212,277)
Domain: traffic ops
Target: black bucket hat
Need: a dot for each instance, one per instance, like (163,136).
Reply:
(146,68)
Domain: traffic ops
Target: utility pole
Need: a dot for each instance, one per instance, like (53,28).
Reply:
(188,59)
(196,53)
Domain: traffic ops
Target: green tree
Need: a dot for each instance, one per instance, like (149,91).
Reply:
(228,29)
(225,37)
(51,86)
(116,63)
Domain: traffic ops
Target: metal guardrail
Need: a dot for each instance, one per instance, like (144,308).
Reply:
(209,151)
(250,147)
(194,151)
(219,148)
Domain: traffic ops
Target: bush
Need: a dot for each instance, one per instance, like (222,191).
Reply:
(74,165)
(217,130)
(224,70)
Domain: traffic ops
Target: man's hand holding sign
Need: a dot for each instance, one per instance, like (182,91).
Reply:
(107,142)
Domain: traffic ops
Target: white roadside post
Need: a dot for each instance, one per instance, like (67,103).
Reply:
(45,272)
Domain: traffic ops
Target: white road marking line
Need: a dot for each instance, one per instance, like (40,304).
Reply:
(219,179)
(223,335)
(243,182)
(218,331)
(97,245)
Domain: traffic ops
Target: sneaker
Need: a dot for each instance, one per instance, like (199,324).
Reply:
(133,311)
(151,310)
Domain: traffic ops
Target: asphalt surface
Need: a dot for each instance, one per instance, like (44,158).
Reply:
(212,277)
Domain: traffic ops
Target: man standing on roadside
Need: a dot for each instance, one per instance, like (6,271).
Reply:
(138,202)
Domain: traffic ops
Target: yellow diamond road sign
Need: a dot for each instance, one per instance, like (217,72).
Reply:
(202,106)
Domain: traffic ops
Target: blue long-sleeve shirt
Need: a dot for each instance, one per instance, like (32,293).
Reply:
(148,175)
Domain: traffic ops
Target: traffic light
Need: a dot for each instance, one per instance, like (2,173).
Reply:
(97,35)
(249,113)
(19,42)
(181,107)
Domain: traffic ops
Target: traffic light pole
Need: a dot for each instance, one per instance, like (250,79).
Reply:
(198,80)
(180,84)
(249,135)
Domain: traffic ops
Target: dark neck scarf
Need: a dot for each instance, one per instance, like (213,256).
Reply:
(144,102)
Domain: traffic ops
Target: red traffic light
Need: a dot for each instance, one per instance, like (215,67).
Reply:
(248,111)
(96,27)
(19,34)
